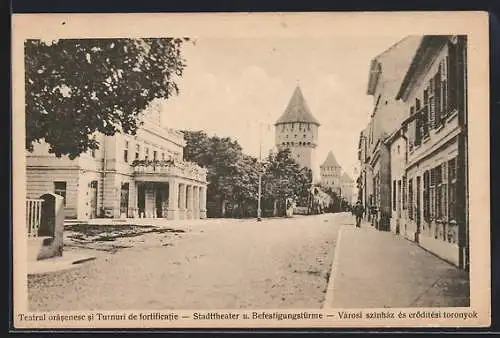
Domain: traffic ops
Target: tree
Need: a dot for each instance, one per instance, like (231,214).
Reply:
(232,175)
(76,87)
(283,178)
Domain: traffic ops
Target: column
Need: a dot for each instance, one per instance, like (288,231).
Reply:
(203,202)
(196,202)
(189,202)
(182,200)
(173,188)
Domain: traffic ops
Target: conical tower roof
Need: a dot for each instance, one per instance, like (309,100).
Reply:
(297,110)
(330,161)
(346,178)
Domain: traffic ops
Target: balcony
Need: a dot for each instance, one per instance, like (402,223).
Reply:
(162,171)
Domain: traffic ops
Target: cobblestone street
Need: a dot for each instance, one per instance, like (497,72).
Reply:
(276,263)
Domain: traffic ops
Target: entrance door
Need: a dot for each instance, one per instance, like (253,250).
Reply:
(159,201)
(141,198)
(418,207)
(124,199)
(93,199)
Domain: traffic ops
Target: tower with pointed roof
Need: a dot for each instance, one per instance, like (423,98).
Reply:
(331,172)
(297,130)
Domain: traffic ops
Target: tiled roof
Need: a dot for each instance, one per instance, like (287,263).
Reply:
(297,110)
(346,178)
(330,161)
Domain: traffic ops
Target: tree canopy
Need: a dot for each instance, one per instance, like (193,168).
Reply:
(76,87)
(233,176)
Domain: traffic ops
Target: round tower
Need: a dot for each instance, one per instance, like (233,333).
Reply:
(330,172)
(297,130)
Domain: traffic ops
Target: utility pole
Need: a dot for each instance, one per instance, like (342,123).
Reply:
(259,210)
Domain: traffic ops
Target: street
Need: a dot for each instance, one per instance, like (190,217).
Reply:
(276,263)
(321,261)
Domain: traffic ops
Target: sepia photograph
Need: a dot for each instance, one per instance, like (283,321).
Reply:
(297,178)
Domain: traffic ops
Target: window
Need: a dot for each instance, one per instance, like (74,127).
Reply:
(146,157)
(437,99)
(433,194)
(282,127)
(394,195)
(410,198)
(444,191)
(437,178)
(399,199)
(155,155)
(427,195)
(60,189)
(452,63)
(163,156)
(425,114)
(137,151)
(418,123)
(125,152)
(452,189)
(404,193)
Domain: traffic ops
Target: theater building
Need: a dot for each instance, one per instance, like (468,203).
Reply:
(128,176)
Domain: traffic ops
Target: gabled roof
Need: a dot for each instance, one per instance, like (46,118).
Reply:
(330,161)
(346,178)
(297,110)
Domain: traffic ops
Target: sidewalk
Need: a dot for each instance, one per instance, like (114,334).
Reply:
(70,259)
(380,269)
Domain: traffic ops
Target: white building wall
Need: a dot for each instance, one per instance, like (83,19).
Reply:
(301,139)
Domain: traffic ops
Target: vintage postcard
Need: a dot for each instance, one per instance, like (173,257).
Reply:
(251,170)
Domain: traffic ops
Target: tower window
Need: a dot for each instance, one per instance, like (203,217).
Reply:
(304,135)
(295,135)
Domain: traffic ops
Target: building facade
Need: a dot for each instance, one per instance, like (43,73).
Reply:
(434,92)
(128,176)
(396,144)
(297,130)
(386,73)
(331,173)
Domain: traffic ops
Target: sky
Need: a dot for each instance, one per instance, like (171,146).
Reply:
(233,87)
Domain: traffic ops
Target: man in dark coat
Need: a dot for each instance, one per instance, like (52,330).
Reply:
(358,212)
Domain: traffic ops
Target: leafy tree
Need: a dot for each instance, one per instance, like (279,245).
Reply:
(232,175)
(284,178)
(75,87)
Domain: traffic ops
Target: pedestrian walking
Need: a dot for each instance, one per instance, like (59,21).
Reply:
(358,212)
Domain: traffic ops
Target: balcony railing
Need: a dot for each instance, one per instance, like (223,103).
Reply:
(170,168)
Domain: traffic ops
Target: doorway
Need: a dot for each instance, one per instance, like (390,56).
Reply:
(93,199)
(124,199)
(159,201)
(141,199)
